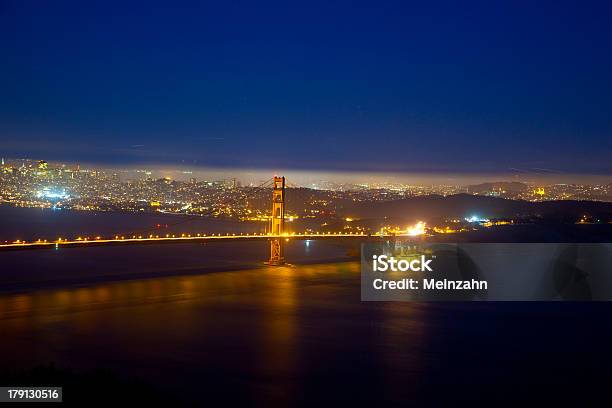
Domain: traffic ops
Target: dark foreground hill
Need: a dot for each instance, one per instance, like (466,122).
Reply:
(464,205)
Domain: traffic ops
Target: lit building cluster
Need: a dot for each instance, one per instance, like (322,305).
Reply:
(32,183)
(539,192)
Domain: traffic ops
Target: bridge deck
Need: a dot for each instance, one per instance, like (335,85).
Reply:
(139,240)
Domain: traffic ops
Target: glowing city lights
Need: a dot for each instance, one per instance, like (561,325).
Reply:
(417,229)
(52,194)
(476,218)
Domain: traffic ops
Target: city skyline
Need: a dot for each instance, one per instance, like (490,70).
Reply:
(32,183)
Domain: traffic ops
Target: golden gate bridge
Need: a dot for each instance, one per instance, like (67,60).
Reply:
(277,235)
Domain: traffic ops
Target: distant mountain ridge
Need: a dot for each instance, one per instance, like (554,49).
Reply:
(464,205)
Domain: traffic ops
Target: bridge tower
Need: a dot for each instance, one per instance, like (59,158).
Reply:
(277,229)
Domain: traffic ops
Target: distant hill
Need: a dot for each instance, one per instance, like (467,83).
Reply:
(462,205)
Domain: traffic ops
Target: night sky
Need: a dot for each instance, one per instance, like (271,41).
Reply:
(371,86)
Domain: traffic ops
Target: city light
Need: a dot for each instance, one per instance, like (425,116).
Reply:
(52,194)
(476,218)
(417,229)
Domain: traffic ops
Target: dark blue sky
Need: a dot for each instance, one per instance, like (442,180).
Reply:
(425,86)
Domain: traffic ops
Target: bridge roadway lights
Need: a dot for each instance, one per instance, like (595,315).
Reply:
(276,241)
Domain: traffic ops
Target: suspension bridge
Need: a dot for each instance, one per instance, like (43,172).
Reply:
(277,234)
